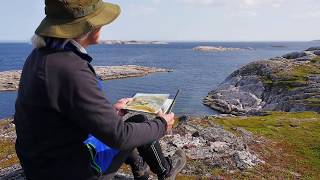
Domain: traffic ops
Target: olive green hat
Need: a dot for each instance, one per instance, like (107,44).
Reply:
(73,18)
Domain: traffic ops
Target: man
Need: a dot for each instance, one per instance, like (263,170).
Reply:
(60,103)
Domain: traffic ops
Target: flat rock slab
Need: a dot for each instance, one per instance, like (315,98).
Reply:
(9,80)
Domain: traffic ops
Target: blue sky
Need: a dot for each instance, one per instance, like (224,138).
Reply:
(185,20)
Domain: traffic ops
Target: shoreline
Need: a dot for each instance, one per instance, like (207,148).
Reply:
(9,80)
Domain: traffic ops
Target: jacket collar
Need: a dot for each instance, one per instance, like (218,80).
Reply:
(78,49)
(67,45)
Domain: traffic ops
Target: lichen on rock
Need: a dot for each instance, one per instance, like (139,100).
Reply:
(211,145)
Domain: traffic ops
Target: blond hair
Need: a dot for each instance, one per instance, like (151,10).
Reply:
(37,41)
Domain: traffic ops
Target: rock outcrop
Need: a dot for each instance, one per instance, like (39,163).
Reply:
(9,80)
(287,83)
(212,146)
(206,143)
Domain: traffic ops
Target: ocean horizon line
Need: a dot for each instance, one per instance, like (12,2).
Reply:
(184,41)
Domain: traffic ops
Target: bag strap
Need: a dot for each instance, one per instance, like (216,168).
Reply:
(93,153)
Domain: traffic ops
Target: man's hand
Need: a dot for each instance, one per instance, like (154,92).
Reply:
(169,118)
(120,105)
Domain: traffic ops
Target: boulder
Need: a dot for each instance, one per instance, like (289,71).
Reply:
(317,52)
(313,48)
(295,55)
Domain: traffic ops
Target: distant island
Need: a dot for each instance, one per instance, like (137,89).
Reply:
(218,49)
(278,46)
(130,42)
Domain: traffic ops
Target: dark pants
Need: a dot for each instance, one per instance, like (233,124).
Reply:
(151,154)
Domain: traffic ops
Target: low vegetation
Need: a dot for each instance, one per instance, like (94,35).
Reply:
(292,147)
(7,150)
(296,76)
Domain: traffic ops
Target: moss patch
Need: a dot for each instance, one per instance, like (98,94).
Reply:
(296,137)
(296,76)
(8,156)
(316,60)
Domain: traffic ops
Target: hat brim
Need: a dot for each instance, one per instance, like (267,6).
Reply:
(76,27)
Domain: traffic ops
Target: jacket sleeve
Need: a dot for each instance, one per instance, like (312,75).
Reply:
(85,105)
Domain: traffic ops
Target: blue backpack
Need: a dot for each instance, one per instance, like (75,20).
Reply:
(101,154)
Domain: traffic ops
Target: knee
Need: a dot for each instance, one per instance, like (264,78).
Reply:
(138,118)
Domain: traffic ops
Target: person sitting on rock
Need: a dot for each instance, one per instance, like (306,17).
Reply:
(62,116)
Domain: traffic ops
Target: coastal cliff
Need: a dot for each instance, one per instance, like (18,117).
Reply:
(288,83)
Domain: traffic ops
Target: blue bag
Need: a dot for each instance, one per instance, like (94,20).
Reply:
(101,154)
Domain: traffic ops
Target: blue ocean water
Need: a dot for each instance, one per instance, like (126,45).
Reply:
(195,73)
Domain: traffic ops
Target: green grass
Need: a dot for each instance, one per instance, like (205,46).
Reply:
(316,60)
(297,133)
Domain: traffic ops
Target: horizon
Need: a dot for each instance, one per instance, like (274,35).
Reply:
(182,41)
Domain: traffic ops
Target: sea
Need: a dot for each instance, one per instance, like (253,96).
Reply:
(194,73)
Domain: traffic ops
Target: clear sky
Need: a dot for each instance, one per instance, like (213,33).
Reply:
(185,20)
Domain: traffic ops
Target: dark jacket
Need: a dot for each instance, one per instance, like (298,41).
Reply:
(59,103)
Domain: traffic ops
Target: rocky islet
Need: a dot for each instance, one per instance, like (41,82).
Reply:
(9,80)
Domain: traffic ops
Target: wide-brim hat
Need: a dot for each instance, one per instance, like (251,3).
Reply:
(73,18)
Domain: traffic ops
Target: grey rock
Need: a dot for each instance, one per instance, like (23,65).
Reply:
(219,146)
(313,48)
(14,172)
(295,55)
(246,135)
(244,159)
(213,145)
(317,52)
